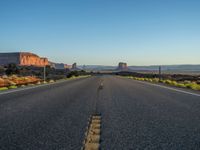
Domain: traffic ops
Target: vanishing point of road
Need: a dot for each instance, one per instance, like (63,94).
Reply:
(135,115)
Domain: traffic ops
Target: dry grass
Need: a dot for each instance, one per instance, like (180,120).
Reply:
(6,81)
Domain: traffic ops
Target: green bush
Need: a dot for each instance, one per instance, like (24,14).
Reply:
(3,88)
(181,85)
(188,85)
(167,81)
(141,79)
(193,85)
(134,78)
(174,83)
(163,81)
(12,87)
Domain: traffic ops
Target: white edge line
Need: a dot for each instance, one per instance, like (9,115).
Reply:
(169,88)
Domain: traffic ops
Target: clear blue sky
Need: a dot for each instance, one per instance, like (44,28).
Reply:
(139,32)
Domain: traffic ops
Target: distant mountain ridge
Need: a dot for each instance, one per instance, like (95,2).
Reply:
(97,67)
(193,68)
(167,67)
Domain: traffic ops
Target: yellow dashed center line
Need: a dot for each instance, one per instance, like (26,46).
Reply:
(93,134)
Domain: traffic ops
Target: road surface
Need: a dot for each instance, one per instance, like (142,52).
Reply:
(135,115)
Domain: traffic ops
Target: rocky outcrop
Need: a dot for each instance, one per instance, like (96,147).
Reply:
(28,59)
(122,66)
(74,66)
(23,59)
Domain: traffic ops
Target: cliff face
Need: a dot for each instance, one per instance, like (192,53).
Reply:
(28,59)
(23,59)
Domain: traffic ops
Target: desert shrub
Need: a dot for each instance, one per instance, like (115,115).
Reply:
(3,88)
(197,87)
(147,79)
(150,80)
(182,85)
(155,80)
(174,83)
(12,69)
(162,81)
(141,79)
(38,83)
(188,85)
(167,81)
(73,73)
(185,84)
(12,87)
(193,85)
(51,81)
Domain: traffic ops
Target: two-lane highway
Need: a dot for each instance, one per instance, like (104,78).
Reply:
(135,115)
(49,117)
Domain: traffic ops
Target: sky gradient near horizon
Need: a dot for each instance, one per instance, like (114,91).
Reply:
(103,32)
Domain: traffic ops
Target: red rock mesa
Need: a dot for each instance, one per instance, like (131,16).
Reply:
(23,59)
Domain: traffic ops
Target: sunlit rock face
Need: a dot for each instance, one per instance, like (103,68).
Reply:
(23,59)
(28,59)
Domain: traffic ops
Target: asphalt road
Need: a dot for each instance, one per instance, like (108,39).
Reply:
(135,115)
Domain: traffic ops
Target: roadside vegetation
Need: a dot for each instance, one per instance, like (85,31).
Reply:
(14,81)
(182,84)
(13,76)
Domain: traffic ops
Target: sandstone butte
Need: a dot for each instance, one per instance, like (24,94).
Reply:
(27,59)
(23,59)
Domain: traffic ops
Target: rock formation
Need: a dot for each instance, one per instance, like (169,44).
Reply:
(28,59)
(122,66)
(74,66)
(23,59)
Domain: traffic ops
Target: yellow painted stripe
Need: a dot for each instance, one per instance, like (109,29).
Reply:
(93,134)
